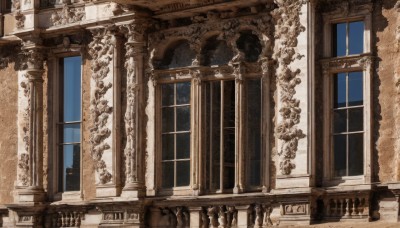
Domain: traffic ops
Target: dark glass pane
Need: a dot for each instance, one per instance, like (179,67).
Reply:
(71,167)
(61,173)
(340,121)
(168,119)
(356,117)
(168,147)
(356,88)
(214,133)
(167,94)
(356,157)
(229,103)
(339,90)
(183,146)
(229,177)
(183,93)
(339,148)
(229,145)
(356,37)
(71,133)
(167,174)
(339,39)
(72,89)
(183,118)
(182,173)
(250,45)
(254,131)
(216,52)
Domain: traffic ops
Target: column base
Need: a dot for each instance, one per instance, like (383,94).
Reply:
(31,195)
(133,190)
(103,191)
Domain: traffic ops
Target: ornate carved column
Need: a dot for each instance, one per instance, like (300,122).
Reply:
(30,120)
(105,109)
(134,128)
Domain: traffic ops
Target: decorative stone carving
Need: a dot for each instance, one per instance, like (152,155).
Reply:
(67,15)
(19,19)
(352,206)
(259,215)
(23,165)
(288,28)
(101,50)
(174,217)
(121,214)
(134,50)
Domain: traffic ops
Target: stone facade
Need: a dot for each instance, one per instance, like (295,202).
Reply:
(131,49)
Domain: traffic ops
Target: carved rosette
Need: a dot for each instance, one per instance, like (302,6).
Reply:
(67,15)
(288,28)
(101,50)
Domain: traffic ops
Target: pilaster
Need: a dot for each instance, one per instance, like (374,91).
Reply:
(134,149)
(105,108)
(29,184)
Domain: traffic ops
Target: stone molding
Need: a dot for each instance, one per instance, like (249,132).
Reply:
(287,29)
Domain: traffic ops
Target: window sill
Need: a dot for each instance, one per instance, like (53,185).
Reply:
(344,181)
(68,196)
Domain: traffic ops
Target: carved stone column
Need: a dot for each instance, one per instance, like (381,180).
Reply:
(105,109)
(30,120)
(134,149)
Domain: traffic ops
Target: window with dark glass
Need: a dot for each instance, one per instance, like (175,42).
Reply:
(254,132)
(348,127)
(220,134)
(175,134)
(348,38)
(69,125)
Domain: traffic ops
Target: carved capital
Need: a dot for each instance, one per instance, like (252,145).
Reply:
(135,32)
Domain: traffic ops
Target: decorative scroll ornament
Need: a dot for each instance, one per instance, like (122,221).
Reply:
(288,28)
(67,15)
(101,50)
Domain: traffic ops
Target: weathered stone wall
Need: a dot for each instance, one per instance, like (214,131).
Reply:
(386,96)
(8,132)
(88,182)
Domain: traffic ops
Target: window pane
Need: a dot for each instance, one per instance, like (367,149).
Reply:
(339,148)
(229,104)
(168,119)
(356,157)
(339,90)
(167,94)
(183,93)
(229,145)
(168,147)
(254,131)
(182,146)
(355,88)
(183,118)
(229,177)
(72,89)
(340,121)
(356,117)
(339,39)
(168,174)
(182,173)
(71,133)
(71,167)
(356,37)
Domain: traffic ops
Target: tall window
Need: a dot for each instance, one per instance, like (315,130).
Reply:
(348,127)
(176,135)
(348,103)
(220,138)
(69,126)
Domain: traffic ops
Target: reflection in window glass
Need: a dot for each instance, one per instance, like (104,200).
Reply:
(69,156)
(348,38)
(175,135)
(348,119)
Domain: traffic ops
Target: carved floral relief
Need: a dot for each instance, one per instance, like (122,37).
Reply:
(101,49)
(288,28)
(67,15)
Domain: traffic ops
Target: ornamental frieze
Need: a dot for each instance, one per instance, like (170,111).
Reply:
(67,15)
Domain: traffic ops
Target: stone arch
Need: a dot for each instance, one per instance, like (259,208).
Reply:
(249,44)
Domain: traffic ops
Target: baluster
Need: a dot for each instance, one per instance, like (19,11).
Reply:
(336,207)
